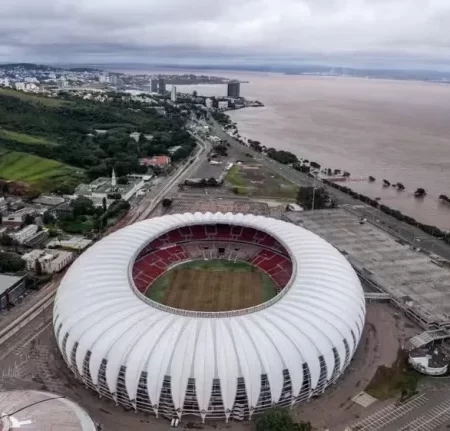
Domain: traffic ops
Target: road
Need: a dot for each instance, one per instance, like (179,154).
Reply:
(151,200)
(406,232)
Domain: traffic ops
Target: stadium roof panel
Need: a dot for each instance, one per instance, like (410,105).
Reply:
(317,318)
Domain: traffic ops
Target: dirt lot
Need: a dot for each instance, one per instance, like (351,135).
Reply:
(211,286)
(254,180)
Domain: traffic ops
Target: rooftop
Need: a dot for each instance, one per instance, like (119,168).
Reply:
(436,357)
(6,281)
(392,264)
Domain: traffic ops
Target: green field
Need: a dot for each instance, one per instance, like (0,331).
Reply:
(47,101)
(18,166)
(212,285)
(253,179)
(24,138)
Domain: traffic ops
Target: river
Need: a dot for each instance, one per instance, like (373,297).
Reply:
(397,130)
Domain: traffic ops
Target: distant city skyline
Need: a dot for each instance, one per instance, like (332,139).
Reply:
(247,33)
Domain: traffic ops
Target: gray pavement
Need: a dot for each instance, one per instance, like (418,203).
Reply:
(419,286)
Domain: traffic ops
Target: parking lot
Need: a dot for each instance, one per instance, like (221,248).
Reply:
(420,285)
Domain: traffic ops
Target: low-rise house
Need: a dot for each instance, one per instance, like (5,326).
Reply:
(51,261)
(156,161)
(18,217)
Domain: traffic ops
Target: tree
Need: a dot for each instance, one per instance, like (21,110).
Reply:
(11,262)
(277,419)
(47,218)
(6,240)
(104,204)
(122,180)
(420,192)
(194,93)
(167,202)
(29,219)
(82,206)
(316,199)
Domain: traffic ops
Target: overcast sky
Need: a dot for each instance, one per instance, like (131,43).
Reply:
(220,31)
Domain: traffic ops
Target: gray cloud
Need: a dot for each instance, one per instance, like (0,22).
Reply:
(155,31)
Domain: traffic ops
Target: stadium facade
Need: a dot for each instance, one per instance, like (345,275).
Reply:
(218,365)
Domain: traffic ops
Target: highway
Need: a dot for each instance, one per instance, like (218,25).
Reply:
(402,230)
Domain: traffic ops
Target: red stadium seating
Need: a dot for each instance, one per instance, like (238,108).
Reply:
(168,249)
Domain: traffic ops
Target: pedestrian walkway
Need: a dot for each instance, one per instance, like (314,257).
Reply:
(428,337)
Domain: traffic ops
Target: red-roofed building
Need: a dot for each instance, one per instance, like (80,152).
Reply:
(156,161)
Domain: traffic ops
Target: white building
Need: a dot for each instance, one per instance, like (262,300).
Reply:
(51,261)
(25,234)
(20,86)
(135,136)
(209,103)
(223,104)
(173,94)
(103,187)
(429,360)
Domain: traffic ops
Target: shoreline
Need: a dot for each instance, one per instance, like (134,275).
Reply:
(343,186)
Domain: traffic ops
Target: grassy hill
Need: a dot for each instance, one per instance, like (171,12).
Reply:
(44,174)
(32,98)
(24,138)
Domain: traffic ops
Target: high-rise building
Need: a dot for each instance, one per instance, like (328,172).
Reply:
(154,85)
(173,95)
(114,79)
(161,86)
(234,89)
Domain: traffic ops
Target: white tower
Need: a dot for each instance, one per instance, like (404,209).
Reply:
(173,96)
(113,179)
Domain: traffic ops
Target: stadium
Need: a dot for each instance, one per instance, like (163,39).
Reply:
(215,315)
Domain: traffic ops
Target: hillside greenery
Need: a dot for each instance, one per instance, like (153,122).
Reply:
(29,123)
(44,174)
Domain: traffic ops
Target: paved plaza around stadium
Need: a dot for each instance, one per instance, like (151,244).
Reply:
(37,364)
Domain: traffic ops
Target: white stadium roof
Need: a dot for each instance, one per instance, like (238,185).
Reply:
(315,323)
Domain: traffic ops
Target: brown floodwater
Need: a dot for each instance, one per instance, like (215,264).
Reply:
(397,130)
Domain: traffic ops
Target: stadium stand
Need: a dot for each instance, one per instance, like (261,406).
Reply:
(215,241)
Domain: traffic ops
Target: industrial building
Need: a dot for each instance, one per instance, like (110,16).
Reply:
(51,261)
(10,289)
